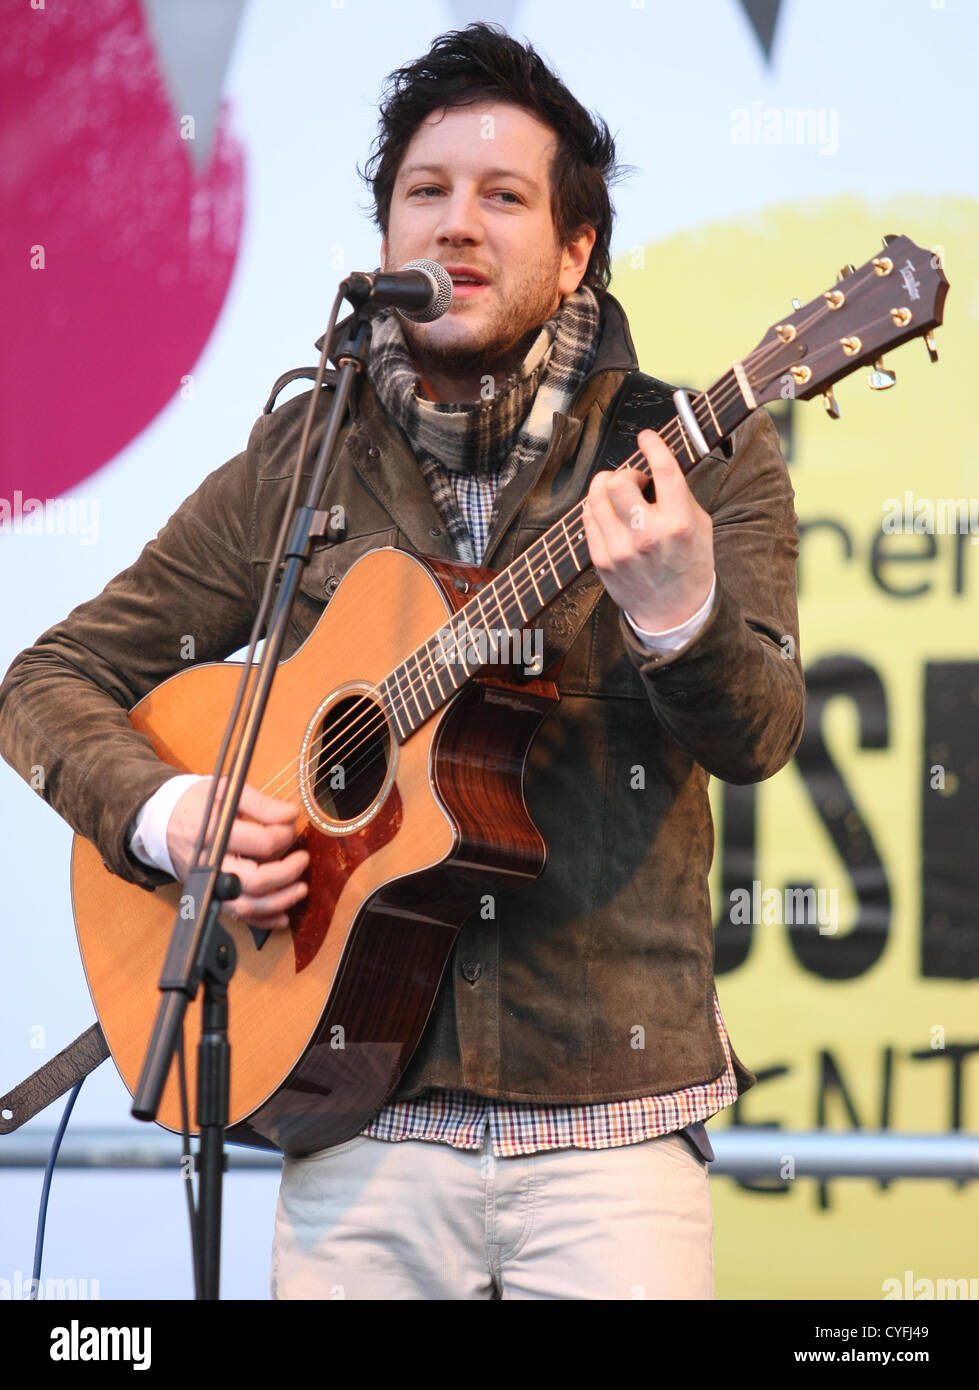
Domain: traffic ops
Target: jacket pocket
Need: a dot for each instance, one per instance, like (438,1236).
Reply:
(321,578)
(331,561)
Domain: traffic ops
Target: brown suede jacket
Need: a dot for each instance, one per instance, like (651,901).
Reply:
(541,1003)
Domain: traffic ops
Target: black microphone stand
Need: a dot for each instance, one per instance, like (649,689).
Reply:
(200,949)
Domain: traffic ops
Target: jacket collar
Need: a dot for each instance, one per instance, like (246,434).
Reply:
(383,458)
(616,350)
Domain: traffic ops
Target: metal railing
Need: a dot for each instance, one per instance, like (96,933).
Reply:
(742,1152)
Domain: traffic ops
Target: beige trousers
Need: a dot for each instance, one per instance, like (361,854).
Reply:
(371,1219)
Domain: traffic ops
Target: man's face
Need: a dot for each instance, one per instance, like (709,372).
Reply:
(473,193)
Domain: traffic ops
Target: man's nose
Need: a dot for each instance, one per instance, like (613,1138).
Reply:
(461,219)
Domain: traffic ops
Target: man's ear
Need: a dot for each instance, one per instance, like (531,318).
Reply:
(574,262)
(384,252)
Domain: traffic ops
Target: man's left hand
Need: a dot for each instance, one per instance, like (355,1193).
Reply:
(656,559)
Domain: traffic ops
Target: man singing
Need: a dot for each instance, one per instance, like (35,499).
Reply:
(547,1139)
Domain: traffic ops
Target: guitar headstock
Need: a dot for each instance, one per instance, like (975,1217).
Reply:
(897,295)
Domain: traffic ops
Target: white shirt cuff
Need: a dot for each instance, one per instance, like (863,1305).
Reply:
(665,643)
(148,842)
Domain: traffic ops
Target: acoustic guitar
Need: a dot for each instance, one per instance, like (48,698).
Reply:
(405,744)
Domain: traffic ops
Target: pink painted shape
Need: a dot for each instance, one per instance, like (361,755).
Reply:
(138,249)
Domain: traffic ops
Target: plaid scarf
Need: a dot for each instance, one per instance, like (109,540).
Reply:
(468,453)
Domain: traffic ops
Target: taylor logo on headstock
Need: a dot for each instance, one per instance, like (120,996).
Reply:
(910,283)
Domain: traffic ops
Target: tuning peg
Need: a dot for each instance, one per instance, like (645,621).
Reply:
(831,404)
(930,345)
(887,238)
(844,271)
(880,378)
(797,304)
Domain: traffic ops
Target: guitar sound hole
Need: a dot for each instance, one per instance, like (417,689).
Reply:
(348,758)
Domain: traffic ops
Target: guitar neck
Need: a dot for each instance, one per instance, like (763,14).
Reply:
(435,671)
(897,295)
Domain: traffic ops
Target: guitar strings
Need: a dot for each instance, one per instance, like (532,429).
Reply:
(563,548)
(423,680)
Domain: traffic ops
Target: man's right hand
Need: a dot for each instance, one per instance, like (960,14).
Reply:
(263,830)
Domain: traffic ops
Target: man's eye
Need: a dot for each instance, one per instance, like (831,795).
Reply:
(506,195)
(425,190)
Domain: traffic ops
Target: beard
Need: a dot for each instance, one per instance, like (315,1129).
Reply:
(499,344)
(497,354)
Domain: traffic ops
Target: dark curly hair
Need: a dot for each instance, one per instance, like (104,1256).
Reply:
(482,62)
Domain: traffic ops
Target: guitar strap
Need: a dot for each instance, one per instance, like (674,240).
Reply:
(53,1079)
(642,402)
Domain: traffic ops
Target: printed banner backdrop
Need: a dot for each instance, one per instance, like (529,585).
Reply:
(183,199)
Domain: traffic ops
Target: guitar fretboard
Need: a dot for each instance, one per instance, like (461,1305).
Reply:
(435,671)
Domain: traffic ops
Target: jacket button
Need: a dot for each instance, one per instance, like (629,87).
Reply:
(331,584)
(373,452)
(435,531)
(471,971)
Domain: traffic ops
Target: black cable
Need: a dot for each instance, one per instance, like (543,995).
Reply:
(42,1214)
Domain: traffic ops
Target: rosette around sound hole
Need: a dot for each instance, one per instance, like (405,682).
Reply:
(347,764)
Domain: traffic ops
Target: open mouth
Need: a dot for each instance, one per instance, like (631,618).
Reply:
(466,282)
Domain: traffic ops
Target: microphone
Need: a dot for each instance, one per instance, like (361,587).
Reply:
(420,291)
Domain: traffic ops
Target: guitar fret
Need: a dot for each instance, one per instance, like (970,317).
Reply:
(474,643)
(457,659)
(392,706)
(398,700)
(426,677)
(499,603)
(530,573)
(411,686)
(439,666)
(483,623)
(544,577)
(704,425)
(579,538)
(705,397)
(571,549)
(557,577)
(685,441)
(473,646)
(516,595)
